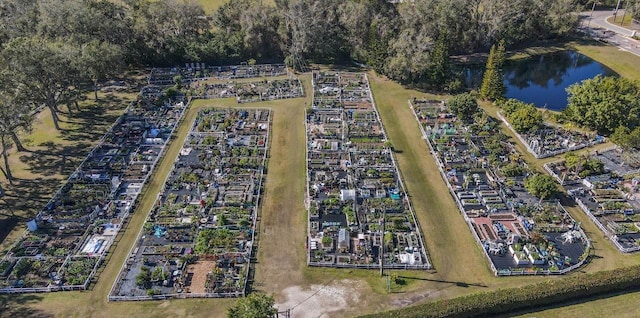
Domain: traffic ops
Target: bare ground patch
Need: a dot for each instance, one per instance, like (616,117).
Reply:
(199,277)
(321,300)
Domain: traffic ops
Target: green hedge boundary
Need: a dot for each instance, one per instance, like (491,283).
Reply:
(539,295)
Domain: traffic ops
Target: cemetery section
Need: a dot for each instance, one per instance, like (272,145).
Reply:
(485,175)
(67,241)
(359,213)
(246,92)
(548,141)
(200,71)
(608,194)
(198,239)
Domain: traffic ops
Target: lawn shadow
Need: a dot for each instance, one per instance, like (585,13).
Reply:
(55,159)
(18,305)
(458,284)
(7,223)
(25,199)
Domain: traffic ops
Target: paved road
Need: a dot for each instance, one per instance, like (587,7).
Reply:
(598,26)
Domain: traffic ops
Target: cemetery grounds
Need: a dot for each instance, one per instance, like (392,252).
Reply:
(431,205)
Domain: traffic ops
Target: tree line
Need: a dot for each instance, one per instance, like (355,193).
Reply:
(400,40)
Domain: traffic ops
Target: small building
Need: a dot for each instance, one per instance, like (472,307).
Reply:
(343,239)
(347,194)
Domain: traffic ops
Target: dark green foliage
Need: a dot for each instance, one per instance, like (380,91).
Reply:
(493,87)
(143,279)
(464,106)
(591,167)
(209,239)
(604,104)
(513,170)
(256,305)
(523,117)
(626,138)
(584,166)
(541,185)
(439,70)
(394,39)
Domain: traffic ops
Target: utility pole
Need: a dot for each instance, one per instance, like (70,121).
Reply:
(590,16)
(615,12)
(624,15)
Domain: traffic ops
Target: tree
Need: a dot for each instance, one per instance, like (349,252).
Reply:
(256,305)
(15,115)
(571,160)
(626,138)
(99,60)
(493,88)
(440,65)
(45,70)
(18,18)
(464,106)
(541,185)
(525,118)
(604,104)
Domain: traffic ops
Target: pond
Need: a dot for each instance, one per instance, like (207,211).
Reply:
(543,79)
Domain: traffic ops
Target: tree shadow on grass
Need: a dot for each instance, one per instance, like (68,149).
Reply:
(92,121)
(25,199)
(458,284)
(18,305)
(55,159)
(7,223)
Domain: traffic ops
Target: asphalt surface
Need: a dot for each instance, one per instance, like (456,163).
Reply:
(598,27)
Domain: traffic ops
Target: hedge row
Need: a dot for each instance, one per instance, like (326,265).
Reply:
(552,291)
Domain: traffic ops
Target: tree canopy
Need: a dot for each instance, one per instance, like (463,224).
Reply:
(604,103)
(493,87)
(541,185)
(15,115)
(256,305)
(465,106)
(523,117)
(395,39)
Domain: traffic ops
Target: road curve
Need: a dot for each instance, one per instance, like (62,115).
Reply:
(598,27)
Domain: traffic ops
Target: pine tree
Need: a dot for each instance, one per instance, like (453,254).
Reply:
(439,69)
(492,86)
